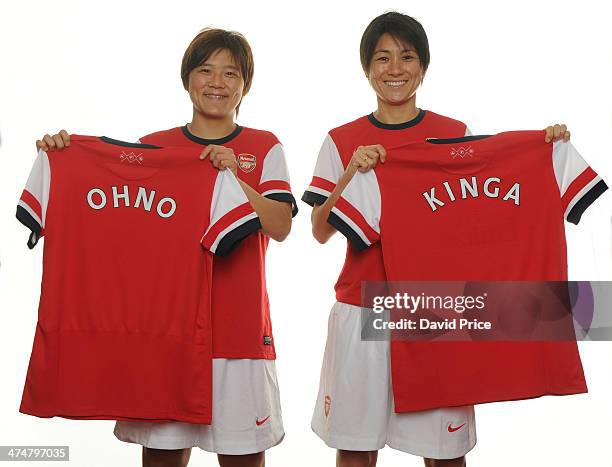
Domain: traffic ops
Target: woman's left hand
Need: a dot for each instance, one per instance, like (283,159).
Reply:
(557,132)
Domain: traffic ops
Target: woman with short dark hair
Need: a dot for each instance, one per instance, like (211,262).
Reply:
(354,412)
(217,71)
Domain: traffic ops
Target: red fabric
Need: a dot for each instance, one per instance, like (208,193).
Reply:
(368,265)
(240,307)
(124,323)
(482,238)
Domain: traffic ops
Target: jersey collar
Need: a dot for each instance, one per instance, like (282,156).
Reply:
(205,142)
(397,126)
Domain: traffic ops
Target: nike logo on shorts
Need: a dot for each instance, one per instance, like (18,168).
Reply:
(452,430)
(261,422)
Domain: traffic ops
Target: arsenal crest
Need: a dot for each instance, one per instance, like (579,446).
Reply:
(327,405)
(247,162)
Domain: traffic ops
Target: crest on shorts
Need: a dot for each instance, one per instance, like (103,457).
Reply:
(327,405)
(247,162)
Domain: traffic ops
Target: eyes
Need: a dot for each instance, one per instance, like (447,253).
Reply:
(405,58)
(228,74)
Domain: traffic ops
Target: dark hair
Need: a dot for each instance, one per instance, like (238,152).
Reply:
(210,40)
(401,27)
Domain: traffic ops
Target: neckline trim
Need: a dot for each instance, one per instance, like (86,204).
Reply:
(205,141)
(397,126)
(118,142)
(462,139)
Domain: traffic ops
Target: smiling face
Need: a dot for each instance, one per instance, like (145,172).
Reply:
(395,71)
(216,86)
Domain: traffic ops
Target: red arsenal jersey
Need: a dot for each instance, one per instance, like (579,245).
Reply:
(474,208)
(240,308)
(335,154)
(124,322)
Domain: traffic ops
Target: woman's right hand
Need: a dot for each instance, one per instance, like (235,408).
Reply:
(57,142)
(365,158)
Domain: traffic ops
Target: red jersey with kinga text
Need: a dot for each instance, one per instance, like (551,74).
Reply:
(473,209)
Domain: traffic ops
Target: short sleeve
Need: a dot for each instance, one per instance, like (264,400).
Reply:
(274,183)
(32,205)
(579,185)
(232,217)
(357,212)
(328,170)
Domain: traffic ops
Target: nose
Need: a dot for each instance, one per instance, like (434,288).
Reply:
(216,80)
(395,67)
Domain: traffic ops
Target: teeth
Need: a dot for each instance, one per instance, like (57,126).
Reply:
(395,84)
(214,96)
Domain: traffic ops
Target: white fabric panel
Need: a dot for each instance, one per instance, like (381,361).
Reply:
(227,195)
(363,193)
(567,163)
(275,165)
(39,182)
(329,164)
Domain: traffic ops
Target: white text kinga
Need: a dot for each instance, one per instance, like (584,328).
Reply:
(165,207)
(465,188)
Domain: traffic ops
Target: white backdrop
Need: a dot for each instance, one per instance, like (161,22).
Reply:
(113,68)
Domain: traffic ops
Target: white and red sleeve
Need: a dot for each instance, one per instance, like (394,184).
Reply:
(32,206)
(357,212)
(579,185)
(328,170)
(274,182)
(232,217)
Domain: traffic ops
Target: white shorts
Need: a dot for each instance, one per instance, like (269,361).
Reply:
(246,414)
(354,409)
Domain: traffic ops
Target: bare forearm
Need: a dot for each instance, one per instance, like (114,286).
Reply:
(322,231)
(275,216)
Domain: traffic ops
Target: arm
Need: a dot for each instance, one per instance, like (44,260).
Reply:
(275,216)
(364,159)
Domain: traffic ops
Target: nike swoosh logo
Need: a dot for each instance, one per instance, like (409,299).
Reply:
(452,430)
(261,422)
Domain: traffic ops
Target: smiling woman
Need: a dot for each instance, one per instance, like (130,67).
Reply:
(394,54)
(217,71)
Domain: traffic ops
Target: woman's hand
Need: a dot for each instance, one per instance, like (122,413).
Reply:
(221,157)
(557,132)
(57,142)
(365,158)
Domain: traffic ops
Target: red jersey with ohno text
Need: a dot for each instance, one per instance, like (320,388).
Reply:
(335,154)
(124,321)
(479,209)
(241,312)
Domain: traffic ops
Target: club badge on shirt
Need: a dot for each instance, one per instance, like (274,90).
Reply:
(247,162)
